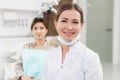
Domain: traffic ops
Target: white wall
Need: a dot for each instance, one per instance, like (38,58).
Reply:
(83,5)
(21,4)
(18,27)
(116,33)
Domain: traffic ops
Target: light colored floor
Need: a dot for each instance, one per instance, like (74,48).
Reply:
(111,72)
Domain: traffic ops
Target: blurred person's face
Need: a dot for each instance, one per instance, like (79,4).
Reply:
(69,24)
(39,31)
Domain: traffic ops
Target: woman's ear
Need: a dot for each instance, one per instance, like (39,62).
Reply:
(47,31)
(82,24)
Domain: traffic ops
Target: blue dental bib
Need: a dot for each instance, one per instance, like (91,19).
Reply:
(33,62)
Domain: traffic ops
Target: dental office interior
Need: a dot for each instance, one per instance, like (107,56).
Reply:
(100,32)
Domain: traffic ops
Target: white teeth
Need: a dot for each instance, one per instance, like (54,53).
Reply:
(69,32)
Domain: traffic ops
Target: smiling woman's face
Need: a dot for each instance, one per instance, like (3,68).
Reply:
(69,24)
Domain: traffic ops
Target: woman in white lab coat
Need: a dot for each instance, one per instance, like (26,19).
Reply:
(72,60)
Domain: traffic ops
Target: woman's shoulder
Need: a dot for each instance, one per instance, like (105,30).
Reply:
(54,42)
(28,45)
(86,51)
(53,51)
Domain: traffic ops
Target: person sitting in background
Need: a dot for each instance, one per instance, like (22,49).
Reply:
(30,62)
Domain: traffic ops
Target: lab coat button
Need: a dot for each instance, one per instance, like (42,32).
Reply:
(61,66)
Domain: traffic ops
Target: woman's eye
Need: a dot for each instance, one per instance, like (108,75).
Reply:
(41,28)
(35,28)
(63,20)
(76,22)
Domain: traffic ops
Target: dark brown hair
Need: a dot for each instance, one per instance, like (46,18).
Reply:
(69,6)
(36,20)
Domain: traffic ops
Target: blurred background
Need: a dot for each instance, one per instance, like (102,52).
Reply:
(100,32)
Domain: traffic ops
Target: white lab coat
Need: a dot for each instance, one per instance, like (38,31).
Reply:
(80,63)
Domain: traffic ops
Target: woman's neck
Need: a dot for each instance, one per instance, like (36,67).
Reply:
(65,49)
(39,43)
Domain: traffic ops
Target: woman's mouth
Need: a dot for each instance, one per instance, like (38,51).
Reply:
(68,33)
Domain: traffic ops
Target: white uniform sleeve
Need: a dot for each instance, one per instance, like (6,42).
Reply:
(93,68)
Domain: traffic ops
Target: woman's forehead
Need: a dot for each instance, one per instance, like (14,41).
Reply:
(70,14)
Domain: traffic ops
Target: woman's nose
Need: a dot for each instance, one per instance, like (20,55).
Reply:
(38,30)
(69,26)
